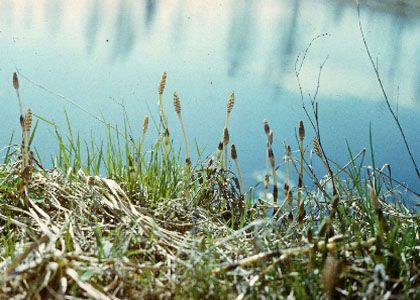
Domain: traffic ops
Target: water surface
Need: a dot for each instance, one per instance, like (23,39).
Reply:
(101,53)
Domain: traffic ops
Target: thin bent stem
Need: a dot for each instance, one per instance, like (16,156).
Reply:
(378,78)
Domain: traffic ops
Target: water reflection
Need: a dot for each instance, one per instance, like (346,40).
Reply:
(93,24)
(241,33)
(397,31)
(250,46)
(55,14)
(150,8)
(124,35)
(289,40)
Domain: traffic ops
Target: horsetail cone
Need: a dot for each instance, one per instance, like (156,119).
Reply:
(266,127)
(15,81)
(177,103)
(233,152)
(220,146)
(225,136)
(166,135)
(162,83)
(275,192)
(271,156)
(301,131)
(231,102)
(317,147)
(28,120)
(145,124)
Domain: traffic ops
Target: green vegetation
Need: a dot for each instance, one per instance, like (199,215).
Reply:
(130,222)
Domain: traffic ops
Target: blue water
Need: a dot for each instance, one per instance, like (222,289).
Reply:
(101,53)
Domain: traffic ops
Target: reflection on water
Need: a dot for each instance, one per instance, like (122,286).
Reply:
(93,24)
(151,7)
(95,50)
(240,38)
(125,36)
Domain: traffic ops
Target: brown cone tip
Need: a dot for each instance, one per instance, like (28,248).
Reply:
(266,127)
(15,81)
(145,123)
(225,136)
(301,130)
(233,152)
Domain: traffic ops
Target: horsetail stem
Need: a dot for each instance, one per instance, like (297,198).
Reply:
(300,182)
(22,122)
(16,87)
(166,142)
(273,170)
(161,89)
(26,135)
(269,134)
(225,144)
(177,106)
(286,180)
(234,155)
(229,107)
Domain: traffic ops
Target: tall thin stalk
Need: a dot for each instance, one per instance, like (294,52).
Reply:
(177,106)
(234,155)
(378,78)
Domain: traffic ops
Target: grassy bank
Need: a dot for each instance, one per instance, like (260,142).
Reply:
(130,221)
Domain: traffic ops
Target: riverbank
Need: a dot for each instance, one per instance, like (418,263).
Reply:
(128,221)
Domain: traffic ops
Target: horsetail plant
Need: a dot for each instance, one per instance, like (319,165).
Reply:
(300,206)
(234,155)
(269,134)
(286,180)
(143,132)
(26,135)
(163,118)
(177,106)
(229,107)
(273,170)
(225,144)
(161,89)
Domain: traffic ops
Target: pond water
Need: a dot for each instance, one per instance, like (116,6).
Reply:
(100,53)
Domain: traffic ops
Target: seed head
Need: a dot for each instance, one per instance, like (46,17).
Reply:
(220,147)
(177,103)
(233,152)
(231,102)
(15,81)
(162,83)
(28,120)
(301,131)
(225,136)
(266,127)
(317,147)
(145,123)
